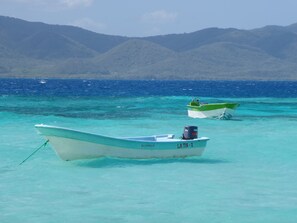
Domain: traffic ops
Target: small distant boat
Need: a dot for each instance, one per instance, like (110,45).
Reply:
(74,145)
(211,110)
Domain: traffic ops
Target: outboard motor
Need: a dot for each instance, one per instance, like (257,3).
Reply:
(190,132)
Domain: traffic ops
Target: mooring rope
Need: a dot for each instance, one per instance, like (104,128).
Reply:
(43,145)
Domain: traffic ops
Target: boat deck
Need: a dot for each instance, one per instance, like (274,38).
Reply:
(155,138)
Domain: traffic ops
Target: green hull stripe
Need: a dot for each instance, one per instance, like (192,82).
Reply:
(214,106)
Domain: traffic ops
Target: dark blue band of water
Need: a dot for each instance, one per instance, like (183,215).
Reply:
(78,87)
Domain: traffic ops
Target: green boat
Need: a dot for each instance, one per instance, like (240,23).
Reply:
(211,110)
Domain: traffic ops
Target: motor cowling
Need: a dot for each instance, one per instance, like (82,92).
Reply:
(190,132)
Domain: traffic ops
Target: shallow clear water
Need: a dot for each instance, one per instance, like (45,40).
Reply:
(247,173)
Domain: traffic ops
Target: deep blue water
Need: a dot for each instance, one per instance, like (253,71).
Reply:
(62,87)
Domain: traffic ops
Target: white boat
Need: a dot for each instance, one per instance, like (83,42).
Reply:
(211,110)
(73,145)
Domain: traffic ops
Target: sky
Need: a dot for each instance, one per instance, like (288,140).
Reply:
(139,18)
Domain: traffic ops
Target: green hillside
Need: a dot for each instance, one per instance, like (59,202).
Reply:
(34,49)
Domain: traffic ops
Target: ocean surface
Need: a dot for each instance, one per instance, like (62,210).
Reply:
(247,173)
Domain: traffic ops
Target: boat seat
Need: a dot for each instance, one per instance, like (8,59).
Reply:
(164,137)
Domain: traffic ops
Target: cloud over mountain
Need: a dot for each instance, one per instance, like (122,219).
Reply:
(159,16)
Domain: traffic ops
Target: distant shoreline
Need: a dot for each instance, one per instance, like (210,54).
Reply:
(161,80)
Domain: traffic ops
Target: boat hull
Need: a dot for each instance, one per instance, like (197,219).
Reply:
(222,113)
(73,145)
(220,110)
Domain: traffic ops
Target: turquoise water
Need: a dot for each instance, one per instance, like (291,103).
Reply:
(247,173)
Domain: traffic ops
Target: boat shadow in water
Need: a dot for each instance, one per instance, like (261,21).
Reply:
(231,119)
(235,119)
(113,162)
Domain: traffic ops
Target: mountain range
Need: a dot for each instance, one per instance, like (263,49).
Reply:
(38,50)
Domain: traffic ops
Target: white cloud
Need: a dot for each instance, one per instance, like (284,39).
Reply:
(89,24)
(75,3)
(159,16)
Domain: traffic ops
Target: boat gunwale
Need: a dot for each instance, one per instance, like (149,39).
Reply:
(212,106)
(105,140)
